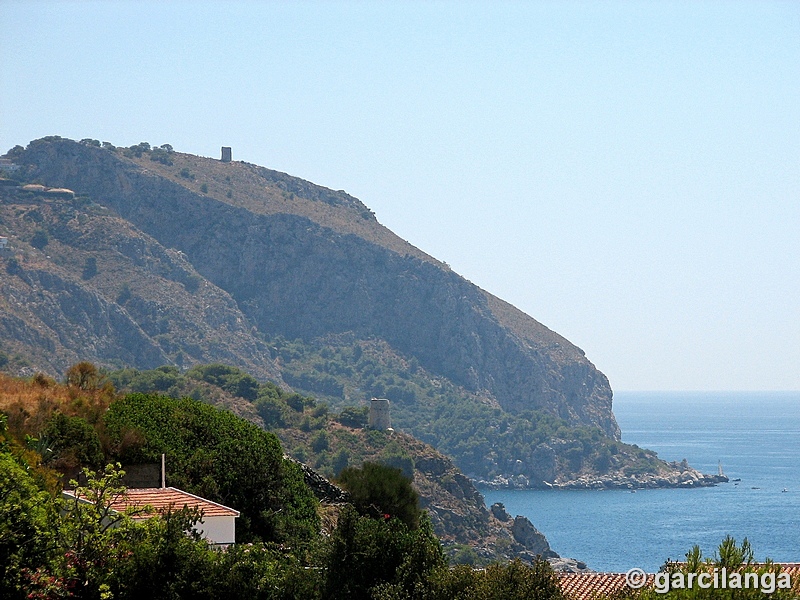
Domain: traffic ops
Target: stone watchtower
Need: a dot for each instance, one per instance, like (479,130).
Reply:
(379,416)
(226,154)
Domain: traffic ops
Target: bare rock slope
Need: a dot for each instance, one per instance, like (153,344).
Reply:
(303,261)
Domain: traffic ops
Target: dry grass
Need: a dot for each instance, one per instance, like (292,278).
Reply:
(14,390)
(29,403)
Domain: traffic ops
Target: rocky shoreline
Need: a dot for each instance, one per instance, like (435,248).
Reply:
(681,475)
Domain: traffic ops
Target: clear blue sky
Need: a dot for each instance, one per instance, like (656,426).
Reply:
(628,173)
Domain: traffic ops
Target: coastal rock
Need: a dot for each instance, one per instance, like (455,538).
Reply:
(531,538)
(686,479)
(543,463)
(569,565)
(499,512)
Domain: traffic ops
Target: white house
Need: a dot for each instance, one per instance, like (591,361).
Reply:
(217,525)
(6,166)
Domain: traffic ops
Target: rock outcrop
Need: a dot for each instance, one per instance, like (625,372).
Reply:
(534,541)
(527,542)
(324,490)
(101,290)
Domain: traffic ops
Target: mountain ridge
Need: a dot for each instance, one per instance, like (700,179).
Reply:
(346,282)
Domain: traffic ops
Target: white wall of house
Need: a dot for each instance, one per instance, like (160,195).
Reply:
(218,530)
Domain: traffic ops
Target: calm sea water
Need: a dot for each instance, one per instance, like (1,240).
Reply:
(756,436)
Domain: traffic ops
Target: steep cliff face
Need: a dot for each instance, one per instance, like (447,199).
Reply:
(95,288)
(303,261)
(59,322)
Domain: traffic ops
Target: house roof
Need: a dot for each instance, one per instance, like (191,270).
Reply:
(589,586)
(792,568)
(586,586)
(163,499)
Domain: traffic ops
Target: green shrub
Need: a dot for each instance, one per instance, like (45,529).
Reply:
(381,491)
(339,461)
(230,379)
(371,558)
(271,411)
(28,526)
(40,239)
(161,155)
(353,416)
(320,442)
(124,295)
(137,150)
(74,442)
(13,267)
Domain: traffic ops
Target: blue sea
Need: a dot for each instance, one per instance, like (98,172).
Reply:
(756,438)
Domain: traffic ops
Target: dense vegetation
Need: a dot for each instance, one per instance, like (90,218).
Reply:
(305,426)
(51,547)
(341,374)
(381,547)
(219,456)
(380,490)
(483,439)
(328,442)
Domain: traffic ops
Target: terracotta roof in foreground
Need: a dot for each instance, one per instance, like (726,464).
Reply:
(792,568)
(588,586)
(585,586)
(164,499)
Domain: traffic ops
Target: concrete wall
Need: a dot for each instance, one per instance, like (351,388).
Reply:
(218,530)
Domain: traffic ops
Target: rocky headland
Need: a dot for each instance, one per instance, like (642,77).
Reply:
(676,475)
(141,258)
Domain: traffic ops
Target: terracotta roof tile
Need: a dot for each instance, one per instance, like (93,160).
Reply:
(163,499)
(792,568)
(588,586)
(585,586)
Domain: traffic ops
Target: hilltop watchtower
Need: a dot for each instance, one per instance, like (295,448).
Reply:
(226,154)
(379,415)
